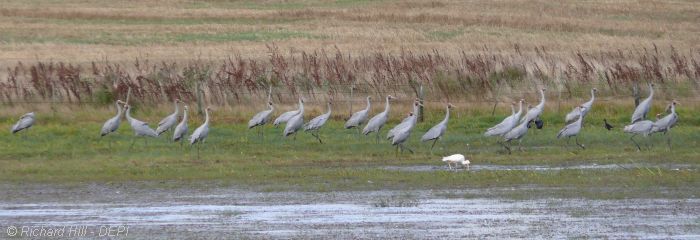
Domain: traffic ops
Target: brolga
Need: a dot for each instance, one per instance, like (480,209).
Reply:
(168,122)
(112,124)
(639,127)
(141,128)
(181,129)
(517,133)
(574,114)
(202,132)
(405,122)
(607,125)
(573,129)
(437,131)
(402,134)
(376,123)
(296,122)
(314,126)
(360,117)
(507,124)
(25,122)
(640,112)
(261,118)
(285,117)
(533,114)
(666,123)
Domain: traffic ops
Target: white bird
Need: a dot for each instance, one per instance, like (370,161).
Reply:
(181,129)
(168,122)
(406,121)
(284,117)
(574,114)
(456,159)
(296,122)
(402,134)
(507,124)
(261,118)
(573,129)
(534,113)
(202,132)
(112,124)
(437,131)
(25,122)
(640,113)
(376,123)
(316,123)
(517,133)
(640,127)
(359,117)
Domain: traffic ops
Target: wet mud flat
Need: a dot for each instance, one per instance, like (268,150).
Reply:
(207,211)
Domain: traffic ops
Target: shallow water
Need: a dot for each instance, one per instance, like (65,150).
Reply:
(236,213)
(492,167)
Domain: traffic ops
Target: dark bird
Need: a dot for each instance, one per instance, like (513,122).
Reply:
(539,123)
(607,125)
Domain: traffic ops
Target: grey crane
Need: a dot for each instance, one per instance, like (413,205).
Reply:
(314,126)
(26,121)
(181,129)
(261,118)
(573,129)
(639,127)
(285,117)
(517,133)
(507,124)
(112,124)
(666,123)
(376,123)
(534,113)
(587,106)
(401,135)
(640,112)
(168,122)
(141,128)
(437,131)
(202,132)
(360,117)
(296,122)
(406,121)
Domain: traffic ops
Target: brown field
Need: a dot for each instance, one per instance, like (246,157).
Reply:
(82,31)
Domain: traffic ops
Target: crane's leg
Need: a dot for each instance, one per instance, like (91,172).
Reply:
(668,142)
(431,147)
(504,146)
(580,145)
(377,136)
(520,144)
(635,142)
(449,165)
(198,151)
(132,143)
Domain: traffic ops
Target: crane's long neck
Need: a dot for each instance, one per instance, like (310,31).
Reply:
(368,104)
(651,92)
(416,110)
(673,108)
(541,99)
(386,106)
(128,114)
(206,117)
(271,107)
(329,109)
(301,108)
(512,109)
(184,115)
(447,115)
(119,110)
(580,116)
(520,109)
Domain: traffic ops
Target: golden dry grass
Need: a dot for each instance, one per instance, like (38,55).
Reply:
(84,31)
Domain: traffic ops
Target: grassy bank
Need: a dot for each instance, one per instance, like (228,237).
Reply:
(58,150)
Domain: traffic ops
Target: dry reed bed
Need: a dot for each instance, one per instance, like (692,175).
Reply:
(322,74)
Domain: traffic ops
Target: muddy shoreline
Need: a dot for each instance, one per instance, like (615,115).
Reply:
(209,210)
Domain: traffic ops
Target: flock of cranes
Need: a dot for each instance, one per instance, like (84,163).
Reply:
(513,127)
